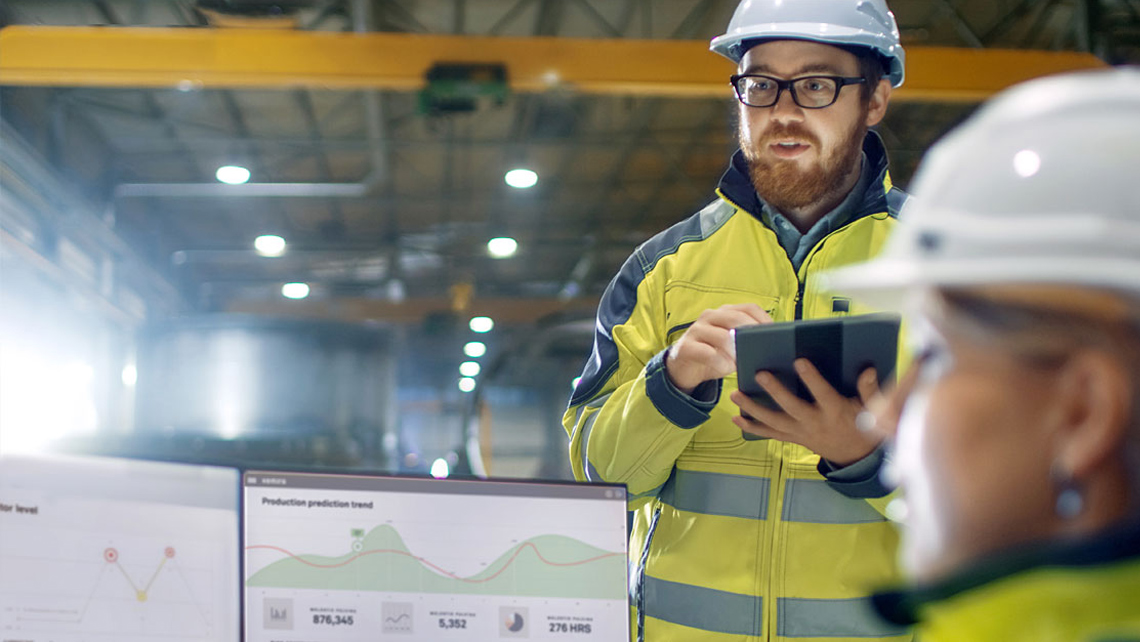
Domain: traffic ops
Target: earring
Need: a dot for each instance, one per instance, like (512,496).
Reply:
(1069,503)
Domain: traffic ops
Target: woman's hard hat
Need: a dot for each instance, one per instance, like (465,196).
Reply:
(1041,186)
(845,23)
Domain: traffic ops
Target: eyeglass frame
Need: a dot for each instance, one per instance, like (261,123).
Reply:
(789,85)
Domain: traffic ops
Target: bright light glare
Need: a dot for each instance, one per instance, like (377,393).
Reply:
(269,245)
(1026,163)
(439,469)
(232,174)
(43,401)
(130,375)
(469,369)
(481,324)
(521,178)
(502,247)
(574,383)
(475,349)
(295,290)
(466,384)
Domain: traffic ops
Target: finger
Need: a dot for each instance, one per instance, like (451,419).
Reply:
(820,389)
(734,316)
(788,401)
(716,338)
(753,311)
(889,406)
(868,385)
(775,419)
(757,428)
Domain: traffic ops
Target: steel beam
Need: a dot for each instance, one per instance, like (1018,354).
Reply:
(146,57)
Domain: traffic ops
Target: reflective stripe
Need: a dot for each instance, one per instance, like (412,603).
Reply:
(850,618)
(649,493)
(702,608)
(717,494)
(814,502)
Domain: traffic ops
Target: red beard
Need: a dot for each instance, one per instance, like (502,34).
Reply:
(785,186)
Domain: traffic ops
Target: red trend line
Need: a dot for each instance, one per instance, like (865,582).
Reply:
(427,563)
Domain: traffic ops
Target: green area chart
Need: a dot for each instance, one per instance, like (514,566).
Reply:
(546,566)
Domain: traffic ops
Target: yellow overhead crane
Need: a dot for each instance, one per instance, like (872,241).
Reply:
(210,58)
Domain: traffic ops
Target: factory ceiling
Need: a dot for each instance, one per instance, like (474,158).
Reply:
(377,135)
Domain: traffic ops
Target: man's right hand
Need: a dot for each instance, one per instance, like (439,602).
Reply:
(706,351)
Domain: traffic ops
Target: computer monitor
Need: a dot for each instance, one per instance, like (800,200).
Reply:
(112,550)
(336,557)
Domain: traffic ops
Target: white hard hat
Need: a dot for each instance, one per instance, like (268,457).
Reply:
(846,23)
(1040,187)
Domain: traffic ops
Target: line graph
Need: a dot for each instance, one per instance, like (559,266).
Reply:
(542,566)
(140,593)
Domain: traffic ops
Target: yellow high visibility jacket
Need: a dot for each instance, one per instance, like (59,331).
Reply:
(1078,592)
(730,539)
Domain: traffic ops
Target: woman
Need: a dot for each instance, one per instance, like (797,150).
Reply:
(1017,432)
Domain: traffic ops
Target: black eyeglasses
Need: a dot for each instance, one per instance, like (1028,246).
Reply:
(809,92)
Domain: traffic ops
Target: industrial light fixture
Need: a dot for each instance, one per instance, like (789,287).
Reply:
(521,178)
(440,469)
(466,384)
(475,349)
(232,174)
(269,245)
(469,368)
(295,290)
(481,324)
(502,247)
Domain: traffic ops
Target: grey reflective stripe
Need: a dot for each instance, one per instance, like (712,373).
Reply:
(717,494)
(702,608)
(851,618)
(813,501)
(648,493)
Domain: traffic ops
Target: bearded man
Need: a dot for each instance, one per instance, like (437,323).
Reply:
(765,526)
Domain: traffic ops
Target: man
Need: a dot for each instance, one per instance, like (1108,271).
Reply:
(754,539)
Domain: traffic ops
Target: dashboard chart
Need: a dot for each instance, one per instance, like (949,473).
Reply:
(108,552)
(342,558)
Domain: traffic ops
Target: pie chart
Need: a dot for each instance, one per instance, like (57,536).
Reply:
(516,624)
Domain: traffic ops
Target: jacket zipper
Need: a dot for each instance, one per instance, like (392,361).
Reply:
(641,571)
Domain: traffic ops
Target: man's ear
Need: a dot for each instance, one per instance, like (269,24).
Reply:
(1095,400)
(877,106)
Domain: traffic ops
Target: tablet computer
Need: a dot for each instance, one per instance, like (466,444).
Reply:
(841,348)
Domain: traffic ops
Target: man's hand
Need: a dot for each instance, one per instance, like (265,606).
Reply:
(706,351)
(826,427)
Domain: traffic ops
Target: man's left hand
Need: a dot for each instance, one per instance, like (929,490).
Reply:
(826,427)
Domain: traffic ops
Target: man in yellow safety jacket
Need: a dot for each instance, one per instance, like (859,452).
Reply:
(765,528)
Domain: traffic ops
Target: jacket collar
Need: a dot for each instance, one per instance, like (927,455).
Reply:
(1117,544)
(736,185)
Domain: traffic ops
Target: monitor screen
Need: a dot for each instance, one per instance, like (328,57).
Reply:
(111,550)
(346,558)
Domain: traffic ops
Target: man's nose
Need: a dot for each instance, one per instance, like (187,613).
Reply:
(786,109)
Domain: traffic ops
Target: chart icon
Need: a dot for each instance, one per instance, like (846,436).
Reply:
(397,617)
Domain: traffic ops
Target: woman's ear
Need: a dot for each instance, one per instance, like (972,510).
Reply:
(1094,394)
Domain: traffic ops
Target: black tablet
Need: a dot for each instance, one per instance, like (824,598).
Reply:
(841,348)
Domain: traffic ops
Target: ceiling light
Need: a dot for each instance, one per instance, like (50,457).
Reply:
(469,369)
(439,469)
(130,375)
(232,174)
(502,247)
(466,384)
(521,178)
(295,290)
(481,324)
(475,349)
(269,245)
